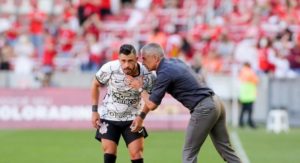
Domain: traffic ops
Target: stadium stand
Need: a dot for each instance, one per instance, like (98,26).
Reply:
(81,35)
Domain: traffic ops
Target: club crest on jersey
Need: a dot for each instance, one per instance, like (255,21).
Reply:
(103,128)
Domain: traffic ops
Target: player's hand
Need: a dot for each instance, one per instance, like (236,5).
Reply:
(96,120)
(135,83)
(137,124)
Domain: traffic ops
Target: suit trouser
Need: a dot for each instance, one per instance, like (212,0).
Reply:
(208,117)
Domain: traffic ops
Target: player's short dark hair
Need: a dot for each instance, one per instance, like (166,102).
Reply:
(127,49)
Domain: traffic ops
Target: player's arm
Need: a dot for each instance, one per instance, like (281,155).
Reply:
(95,93)
(100,79)
(137,123)
(148,106)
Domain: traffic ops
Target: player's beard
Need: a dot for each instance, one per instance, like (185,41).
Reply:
(128,71)
(131,72)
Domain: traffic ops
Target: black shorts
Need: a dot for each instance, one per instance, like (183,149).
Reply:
(112,130)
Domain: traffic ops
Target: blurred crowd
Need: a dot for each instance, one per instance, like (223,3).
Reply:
(210,35)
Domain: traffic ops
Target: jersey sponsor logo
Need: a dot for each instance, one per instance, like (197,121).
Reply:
(128,98)
(127,114)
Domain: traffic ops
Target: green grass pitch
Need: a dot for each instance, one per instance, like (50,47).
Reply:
(79,146)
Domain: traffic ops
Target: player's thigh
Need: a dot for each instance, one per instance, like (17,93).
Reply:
(137,145)
(109,134)
(130,136)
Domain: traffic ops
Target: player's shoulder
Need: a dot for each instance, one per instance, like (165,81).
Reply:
(111,65)
(146,72)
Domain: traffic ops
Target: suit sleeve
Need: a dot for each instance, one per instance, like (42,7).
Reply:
(159,90)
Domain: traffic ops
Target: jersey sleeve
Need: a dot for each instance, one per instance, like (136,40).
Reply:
(104,73)
(149,80)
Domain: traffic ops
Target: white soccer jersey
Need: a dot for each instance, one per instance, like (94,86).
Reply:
(121,102)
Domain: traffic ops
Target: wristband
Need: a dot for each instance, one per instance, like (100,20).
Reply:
(95,108)
(143,115)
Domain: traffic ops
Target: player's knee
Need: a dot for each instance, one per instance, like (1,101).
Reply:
(136,153)
(109,149)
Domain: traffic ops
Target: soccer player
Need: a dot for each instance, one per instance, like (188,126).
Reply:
(207,111)
(120,105)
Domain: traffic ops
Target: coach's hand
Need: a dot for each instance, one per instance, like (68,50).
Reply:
(96,120)
(137,124)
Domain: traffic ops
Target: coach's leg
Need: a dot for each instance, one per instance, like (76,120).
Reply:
(200,124)
(110,150)
(220,137)
(136,149)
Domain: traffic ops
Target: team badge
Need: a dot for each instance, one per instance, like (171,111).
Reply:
(103,128)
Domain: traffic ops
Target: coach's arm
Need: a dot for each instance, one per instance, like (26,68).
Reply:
(137,124)
(148,103)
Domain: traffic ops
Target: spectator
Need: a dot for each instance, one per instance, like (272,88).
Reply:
(48,65)
(282,66)
(5,23)
(186,49)
(23,63)
(158,36)
(93,25)
(246,51)
(95,53)
(65,42)
(37,21)
(294,57)
(105,6)
(24,51)
(174,42)
(69,16)
(265,51)
(225,46)
(85,10)
(6,53)
(212,63)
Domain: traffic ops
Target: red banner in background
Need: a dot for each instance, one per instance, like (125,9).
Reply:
(70,108)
